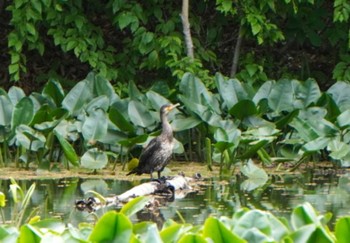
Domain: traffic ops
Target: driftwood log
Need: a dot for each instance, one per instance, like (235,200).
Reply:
(165,188)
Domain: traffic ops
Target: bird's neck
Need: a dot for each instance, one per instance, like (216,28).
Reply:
(166,128)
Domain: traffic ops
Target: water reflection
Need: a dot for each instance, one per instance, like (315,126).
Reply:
(327,193)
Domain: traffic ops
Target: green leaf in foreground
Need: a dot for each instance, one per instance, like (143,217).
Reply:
(112,227)
(134,206)
(218,232)
(342,230)
(68,149)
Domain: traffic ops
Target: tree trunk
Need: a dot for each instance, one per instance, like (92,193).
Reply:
(186,28)
(236,53)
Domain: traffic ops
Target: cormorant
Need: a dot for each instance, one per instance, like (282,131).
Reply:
(158,152)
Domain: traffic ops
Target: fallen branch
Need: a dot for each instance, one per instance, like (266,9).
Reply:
(167,188)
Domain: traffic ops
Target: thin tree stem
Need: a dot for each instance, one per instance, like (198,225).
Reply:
(236,53)
(186,28)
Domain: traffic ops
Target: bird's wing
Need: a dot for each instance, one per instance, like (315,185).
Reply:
(147,152)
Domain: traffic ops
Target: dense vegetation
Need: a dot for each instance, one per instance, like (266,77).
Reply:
(89,126)
(143,42)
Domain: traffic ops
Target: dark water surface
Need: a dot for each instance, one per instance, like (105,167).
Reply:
(327,192)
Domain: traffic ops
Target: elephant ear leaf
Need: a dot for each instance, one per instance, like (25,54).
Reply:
(77,97)
(68,149)
(23,112)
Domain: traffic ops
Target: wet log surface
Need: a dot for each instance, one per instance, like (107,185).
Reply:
(161,191)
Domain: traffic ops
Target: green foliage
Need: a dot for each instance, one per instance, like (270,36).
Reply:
(244,226)
(285,119)
(122,39)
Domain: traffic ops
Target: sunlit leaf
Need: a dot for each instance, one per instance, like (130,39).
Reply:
(2,200)
(112,227)
(134,206)
(148,232)
(192,238)
(217,232)
(303,215)
(342,229)
(28,234)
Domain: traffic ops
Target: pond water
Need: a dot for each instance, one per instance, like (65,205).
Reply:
(325,190)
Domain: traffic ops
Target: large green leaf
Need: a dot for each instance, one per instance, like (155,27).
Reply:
(139,114)
(192,238)
(243,109)
(311,233)
(68,149)
(260,226)
(195,91)
(94,159)
(343,119)
(148,232)
(253,149)
(112,227)
(263,92)
(181,124)
(305,130)
(23,112)
(29,234)
(134,206)
(342,229)
(217,232)
(54,91)
(303,215)
(317,144)
(103,87)
(16,94)
(340,93)
(5,110)
(281,96)
(120,121)
(173,232)
(77,97)
(95,125)
(227,90)
(133,92)
(100,102)
(156,99)
(29,138)
(306,93)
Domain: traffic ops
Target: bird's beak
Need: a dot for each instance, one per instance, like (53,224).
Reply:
(173,106)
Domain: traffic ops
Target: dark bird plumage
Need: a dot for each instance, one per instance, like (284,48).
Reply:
(158,152)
